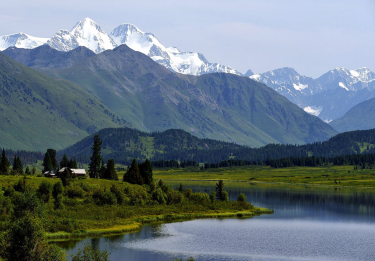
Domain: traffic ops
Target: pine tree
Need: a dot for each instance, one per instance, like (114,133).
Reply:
(145,170)
(4,164)
(64,162)
(132,175)
(27,171)
(17,165)
(96,158)
(220,195)
(110,172)
(47,162)
(52,155)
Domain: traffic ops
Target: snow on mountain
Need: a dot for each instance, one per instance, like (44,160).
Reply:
(313,110)
(21,40)
(171,57)
(91,35)
(64,41)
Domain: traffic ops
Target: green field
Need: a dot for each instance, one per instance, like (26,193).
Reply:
(333,176)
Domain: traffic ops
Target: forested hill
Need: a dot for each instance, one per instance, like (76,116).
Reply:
(124,144)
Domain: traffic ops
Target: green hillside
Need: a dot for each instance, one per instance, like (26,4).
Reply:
(360,117)
(216,106)
(38,112)
(124,144)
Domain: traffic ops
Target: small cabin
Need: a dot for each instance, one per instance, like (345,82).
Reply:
(74,172)
(49,174)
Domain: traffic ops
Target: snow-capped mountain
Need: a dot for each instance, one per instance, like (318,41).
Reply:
(89,34)
(21,40)
(85,33)
(330,96)
(171,57)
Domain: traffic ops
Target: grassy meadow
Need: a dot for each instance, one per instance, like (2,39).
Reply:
(333,176)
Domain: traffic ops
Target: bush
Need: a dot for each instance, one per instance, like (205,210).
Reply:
(242,198)
(44,191)
(188,193)
(58,189)
(75,192)
(212,196)
(159,196)
(20,186)
(108,198)
(58,204)
(118,194)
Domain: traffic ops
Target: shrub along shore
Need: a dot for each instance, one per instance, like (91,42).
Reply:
(95,207)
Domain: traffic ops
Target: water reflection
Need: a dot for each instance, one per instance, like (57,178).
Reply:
(309,223)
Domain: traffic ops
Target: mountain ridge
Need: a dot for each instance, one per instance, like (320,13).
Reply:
(220,106)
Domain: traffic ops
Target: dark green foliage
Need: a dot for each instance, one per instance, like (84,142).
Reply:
(180,188)
(242,198)
(17,165)
(145,170)
(24,239)
(47,162)
(132,175)
(52,154)
(160,196)
(58,189)
(33,171)
(90,253)
(20,186)
(66,177)
(119,195)
(4,163)
(74,192)
(188,193)
(96,158)
(58,203)
(212,196)
(220,195)
(64,162)
(110,171)
(44,191)
(27,171)
(160,183)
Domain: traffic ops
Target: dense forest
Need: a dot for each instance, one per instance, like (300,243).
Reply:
(124,144)
(174,148)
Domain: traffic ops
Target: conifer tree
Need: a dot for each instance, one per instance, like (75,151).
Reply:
(47,162)
(52,155)
(145,170)
(64,162)
(17,165)
(132,175)
(96,158)
(110,170)
(4,163)
(27,171)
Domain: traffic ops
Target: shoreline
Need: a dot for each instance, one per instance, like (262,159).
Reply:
(271,183)
(137,224)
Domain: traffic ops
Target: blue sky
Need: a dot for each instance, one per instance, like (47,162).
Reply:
(310,36)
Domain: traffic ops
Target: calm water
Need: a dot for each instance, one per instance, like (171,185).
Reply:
(308,224)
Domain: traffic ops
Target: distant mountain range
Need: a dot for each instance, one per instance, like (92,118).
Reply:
(89,34)
(218,106)
(329,97)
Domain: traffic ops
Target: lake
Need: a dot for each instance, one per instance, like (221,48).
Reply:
(309,223)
